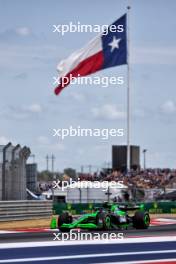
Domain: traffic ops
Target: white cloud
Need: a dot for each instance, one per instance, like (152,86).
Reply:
(34,108)
(4,140)
(168,107)
(43,140)
(21,112)
(46,144)
(78,97)
(23,31)
(109,112)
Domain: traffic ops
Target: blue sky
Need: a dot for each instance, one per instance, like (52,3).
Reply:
(30,51)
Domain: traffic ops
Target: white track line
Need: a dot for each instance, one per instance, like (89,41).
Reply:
(86,256)
(87,242)
(8,232)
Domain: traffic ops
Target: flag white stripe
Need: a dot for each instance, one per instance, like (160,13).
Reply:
(67,65)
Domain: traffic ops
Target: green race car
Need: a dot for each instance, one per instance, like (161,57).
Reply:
(108,217)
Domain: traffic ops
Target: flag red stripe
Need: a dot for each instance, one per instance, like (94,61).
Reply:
(85,67)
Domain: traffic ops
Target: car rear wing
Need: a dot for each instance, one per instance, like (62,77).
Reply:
(126,207)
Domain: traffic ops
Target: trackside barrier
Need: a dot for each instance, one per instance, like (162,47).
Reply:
(77,209)
(161,207)
(24,210)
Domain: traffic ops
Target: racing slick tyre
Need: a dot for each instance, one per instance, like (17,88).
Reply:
(64,218)
(141,220)
(104,220)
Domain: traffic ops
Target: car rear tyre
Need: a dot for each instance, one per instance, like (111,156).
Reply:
(141,220)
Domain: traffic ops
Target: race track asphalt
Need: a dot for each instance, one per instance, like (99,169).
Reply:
(156,243)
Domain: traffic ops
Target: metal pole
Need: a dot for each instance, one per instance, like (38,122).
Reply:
(47,159)
(144,152)
(52,163)
(128,92)
(4,170)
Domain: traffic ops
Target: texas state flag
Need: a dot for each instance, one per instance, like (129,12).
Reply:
(106,50)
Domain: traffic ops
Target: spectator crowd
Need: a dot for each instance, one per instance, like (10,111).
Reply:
(145,179)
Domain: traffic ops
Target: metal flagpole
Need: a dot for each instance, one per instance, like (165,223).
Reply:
(128,92)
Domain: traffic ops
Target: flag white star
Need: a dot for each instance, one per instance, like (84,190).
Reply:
(114,44)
